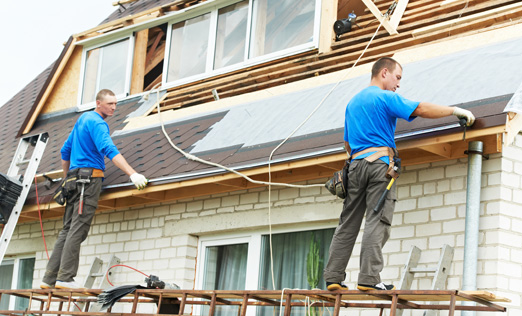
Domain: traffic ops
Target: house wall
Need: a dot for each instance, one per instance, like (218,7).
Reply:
(430,213)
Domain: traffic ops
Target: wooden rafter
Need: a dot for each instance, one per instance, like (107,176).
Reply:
(391,24)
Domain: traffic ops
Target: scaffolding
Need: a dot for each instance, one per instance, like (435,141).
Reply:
(62,302)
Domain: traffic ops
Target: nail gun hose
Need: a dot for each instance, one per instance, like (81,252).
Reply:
(378,207)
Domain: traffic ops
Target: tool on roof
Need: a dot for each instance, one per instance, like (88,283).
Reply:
(463,122)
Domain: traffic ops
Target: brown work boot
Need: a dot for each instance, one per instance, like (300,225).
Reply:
(334,286)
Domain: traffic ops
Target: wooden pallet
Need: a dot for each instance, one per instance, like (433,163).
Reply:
(286,299)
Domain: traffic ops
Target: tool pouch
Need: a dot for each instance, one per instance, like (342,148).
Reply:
(84,174)
(64,191)
(394,169)
(338,184)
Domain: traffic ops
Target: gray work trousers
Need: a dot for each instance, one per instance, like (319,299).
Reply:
(64,261)
(366,183)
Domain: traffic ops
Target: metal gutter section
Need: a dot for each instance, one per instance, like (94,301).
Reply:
(471,237)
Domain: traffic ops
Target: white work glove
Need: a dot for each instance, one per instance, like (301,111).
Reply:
(464,114)
(139,180)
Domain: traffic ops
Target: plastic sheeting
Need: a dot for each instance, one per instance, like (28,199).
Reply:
(466,76)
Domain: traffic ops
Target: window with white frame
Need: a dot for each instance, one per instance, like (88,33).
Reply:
(106,67)
(244,263)
(235,33)
(16,273)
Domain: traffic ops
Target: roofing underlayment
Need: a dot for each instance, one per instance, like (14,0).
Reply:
(482,78)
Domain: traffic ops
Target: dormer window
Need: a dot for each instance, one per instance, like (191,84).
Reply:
(229,35)
(106,67)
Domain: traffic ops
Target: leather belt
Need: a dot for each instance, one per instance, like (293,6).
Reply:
(97,173)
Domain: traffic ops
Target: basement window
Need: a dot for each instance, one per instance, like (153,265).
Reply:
(106,67)
(231,35)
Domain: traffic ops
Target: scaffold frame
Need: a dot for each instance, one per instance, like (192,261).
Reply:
(286,299)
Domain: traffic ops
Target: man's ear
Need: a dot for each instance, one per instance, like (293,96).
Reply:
(384,72)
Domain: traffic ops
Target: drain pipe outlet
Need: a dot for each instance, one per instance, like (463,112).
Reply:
(471,238)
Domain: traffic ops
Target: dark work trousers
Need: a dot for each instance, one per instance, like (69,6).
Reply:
(366,183)
(63,264)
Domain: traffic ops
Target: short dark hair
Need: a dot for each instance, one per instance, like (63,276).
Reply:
(384,62)
(103,93)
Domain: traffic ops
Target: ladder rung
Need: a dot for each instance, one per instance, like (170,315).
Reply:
(97,274)
(423,270)
(23,162)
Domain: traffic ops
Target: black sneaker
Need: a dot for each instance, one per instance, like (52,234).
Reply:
(334,286)
(381,286)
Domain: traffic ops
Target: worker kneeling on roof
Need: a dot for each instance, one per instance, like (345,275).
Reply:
(83,165)
(370,122)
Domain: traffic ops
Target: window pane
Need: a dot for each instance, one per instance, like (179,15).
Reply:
(290,252)
(281,24)
(25,281)
(188,47)
(111,61)
(114,67)
(91,75)
(6,280)
(231,34)
(225,269)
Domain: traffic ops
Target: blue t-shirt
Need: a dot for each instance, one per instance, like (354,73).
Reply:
(371,117)
(88,143)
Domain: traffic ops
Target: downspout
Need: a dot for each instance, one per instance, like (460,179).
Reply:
(471,237)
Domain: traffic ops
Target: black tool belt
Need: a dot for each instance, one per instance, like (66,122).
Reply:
(68,185)
(338,184)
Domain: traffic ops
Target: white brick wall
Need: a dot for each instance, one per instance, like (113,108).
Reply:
(430,212)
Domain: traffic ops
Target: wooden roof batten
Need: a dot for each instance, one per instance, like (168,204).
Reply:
(501,13)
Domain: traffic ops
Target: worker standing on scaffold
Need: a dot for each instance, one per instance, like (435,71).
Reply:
(83,165)
(370,122)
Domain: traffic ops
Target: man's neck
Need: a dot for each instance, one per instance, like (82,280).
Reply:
(103,117)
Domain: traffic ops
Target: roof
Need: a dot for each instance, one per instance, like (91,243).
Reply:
(483,78)
(244,135)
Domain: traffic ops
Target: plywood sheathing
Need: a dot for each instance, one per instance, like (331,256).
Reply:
(65,92)
(345,52)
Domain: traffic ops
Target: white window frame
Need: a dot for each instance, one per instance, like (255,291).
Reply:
(128,70)
(254,240)
(15,281)
(213,8)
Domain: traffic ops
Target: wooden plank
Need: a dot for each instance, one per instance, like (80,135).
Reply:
(50,87)
(116,3)
(468,18)
(282,72)
(328,18)
(139,61)
(385,22)
(398,13)
(443,150)
(157,57)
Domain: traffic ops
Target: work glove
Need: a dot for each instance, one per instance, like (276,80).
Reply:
(464,114)
(139,180)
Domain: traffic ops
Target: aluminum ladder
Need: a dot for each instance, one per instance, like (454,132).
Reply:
(441,271)
(39,142)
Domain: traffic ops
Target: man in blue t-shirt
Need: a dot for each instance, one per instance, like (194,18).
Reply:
(370,121)
(83,155)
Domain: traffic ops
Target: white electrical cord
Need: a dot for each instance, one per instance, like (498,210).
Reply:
(269,183)
(293,132)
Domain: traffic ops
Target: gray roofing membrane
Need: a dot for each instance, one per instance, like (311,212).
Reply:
(462,77)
